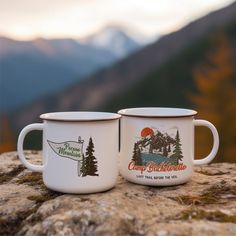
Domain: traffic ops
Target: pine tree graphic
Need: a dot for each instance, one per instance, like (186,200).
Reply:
(177,152)
(137,155)
(165,151)
(90,163)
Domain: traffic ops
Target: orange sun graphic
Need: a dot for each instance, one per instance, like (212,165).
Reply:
(146,131)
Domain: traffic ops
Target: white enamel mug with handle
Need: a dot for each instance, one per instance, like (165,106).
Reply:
(157,145)
(80,151)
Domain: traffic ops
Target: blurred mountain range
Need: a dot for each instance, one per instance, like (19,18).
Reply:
(32,69)
(119,42)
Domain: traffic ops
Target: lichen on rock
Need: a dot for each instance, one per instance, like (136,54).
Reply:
(204,206)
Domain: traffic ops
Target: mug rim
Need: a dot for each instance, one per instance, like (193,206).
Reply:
(73,116)
(157,112)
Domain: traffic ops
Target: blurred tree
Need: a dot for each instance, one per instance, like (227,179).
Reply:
(216,100)
(7,142)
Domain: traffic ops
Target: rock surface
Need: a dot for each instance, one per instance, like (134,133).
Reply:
(204,206)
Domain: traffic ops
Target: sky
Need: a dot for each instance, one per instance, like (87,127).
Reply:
(27,19)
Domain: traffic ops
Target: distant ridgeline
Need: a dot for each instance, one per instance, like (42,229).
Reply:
(172,83)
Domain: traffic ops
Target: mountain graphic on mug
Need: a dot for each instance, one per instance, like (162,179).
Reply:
(86,163)
(155,146)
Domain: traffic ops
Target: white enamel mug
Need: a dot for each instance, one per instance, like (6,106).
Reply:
(157,145)
(80,151)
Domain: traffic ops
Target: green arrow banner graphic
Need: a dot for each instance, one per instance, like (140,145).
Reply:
(68,149)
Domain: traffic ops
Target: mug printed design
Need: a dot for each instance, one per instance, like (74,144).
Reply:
(157,151)
(87,163)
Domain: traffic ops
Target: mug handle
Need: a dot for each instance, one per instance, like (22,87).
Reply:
(20,142)
(215,147)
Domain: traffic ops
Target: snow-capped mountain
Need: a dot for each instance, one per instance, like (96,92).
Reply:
(114,39)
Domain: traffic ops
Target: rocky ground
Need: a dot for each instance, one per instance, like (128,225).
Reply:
(204,206)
